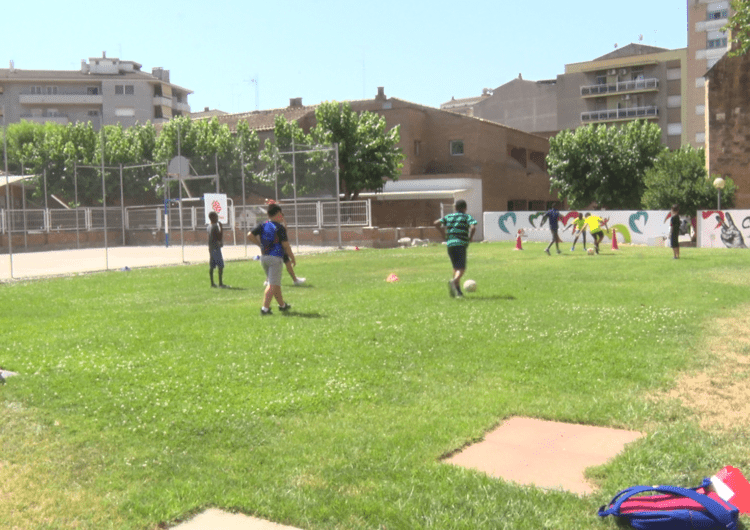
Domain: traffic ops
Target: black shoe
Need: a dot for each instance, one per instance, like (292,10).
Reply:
(214,285)
(286,307)
(263,312)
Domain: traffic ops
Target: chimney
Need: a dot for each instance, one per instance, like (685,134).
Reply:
(295,103)
(381,94)
(104,55)
(205,109)
(12,66)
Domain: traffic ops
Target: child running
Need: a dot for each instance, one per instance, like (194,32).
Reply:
(458,230)
(578,224)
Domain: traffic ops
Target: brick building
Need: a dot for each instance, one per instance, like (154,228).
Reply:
(728,123)
(503,166)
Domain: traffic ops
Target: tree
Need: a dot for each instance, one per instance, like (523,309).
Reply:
(739,27)
(368,154)
(680,177)
(605,165)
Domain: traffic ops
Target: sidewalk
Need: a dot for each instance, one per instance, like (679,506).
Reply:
(28,265)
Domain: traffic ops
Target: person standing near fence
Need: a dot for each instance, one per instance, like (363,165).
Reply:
(215,242)
(553,215)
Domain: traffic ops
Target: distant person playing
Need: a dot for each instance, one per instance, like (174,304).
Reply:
(674,231)
(215,242)
(273,242)
(578,224)
(458,230)
(594,224)
(553,215)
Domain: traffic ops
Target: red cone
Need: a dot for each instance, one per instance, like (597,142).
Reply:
(614,240)
(518,242)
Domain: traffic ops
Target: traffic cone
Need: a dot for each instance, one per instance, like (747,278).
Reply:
(614,240)
(518,242)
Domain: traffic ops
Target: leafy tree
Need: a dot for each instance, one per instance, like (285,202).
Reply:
(680,177)
(368,154)
(310,171)
(739,27)
(605,165)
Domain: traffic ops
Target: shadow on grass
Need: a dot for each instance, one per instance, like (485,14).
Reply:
(297,314)
(490,298)
(230,288)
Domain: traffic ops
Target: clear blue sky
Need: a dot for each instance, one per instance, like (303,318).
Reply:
(421,51)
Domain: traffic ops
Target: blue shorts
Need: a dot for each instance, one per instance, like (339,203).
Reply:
(458,256)
(217,260)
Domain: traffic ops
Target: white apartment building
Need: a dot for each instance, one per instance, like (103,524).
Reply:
(104,91)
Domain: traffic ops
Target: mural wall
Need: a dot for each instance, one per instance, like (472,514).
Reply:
(643,227)
(723,229)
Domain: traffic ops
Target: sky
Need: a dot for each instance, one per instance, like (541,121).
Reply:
(239,55)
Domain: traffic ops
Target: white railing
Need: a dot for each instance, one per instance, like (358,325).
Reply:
(621,86)
(302,214)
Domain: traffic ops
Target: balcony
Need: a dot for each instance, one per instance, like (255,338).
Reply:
(67,97)
(55,117)
(183,107)
(650,112)
(651,84)
(161,101)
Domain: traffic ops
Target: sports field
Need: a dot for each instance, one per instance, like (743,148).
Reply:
(146,397)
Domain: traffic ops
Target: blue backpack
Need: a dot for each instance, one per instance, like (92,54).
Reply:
(677,509)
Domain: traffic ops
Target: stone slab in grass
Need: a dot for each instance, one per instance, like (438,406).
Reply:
(545,454)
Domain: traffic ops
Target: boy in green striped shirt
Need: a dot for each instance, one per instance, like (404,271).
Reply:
(458,230)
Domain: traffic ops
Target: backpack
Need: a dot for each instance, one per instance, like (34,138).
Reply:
(676,509)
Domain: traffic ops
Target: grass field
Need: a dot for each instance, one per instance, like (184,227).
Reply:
(145,397)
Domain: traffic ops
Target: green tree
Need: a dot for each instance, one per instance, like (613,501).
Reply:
(603,165)
(368,154)
(680,177)
(739,27)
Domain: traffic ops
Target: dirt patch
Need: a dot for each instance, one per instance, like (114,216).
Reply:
(720,394)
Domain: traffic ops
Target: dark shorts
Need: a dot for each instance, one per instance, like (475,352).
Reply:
(217,260)
(674,240)
(598,233)
(458,256)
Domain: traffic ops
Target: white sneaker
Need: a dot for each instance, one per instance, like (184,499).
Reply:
(265,283)
(299,281)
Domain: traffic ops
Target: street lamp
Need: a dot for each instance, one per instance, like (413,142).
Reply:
(719,185)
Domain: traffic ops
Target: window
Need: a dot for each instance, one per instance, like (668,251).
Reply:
(50,90)
(674,102)
(700,82)
(700,110)
(125,112)
(36,90)
(721,42)
(93,113)
(718,14)
(92,90)
(674,129)
(700,138)
(129,90)
(417,145)
(119,90)
(457,147)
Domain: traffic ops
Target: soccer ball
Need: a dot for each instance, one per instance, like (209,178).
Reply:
(591,251)
(470,286)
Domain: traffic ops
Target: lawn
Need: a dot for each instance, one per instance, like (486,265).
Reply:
(145,397)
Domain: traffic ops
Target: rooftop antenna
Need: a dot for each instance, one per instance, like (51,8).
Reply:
(256,81)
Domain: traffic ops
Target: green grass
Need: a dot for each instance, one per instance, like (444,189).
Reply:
(146,397)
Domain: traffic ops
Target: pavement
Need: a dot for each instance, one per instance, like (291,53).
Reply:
(544,454)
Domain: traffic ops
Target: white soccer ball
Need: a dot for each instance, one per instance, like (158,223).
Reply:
(591,251)
(470,286)
(316,232)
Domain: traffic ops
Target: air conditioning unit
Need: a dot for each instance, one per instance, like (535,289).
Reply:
(612,72)
(626,97)
(624,71)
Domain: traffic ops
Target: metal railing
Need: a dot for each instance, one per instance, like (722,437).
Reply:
(620,114)
(621,86)
(302,214)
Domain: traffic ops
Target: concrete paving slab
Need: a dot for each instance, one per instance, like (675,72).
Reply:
(214,519)
(546,454)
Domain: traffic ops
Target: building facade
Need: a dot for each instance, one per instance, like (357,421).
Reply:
(442,147)
(104,90)
(707,43)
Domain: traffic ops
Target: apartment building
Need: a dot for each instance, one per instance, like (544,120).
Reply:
(632,82)
(105,90)
(707,43)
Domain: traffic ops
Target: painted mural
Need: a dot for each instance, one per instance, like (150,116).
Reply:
(642,227)
(723,229)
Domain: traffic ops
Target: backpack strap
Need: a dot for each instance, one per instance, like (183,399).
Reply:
(725,517)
